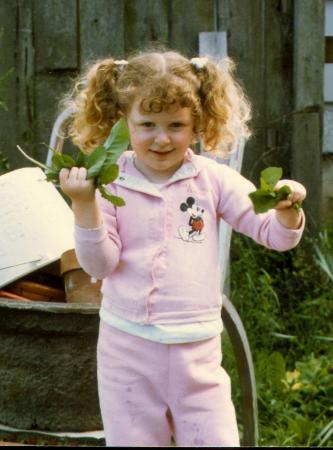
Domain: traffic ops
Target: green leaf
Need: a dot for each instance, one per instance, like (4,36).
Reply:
(264,186)
(267,197)
(57,161)
(95,161)
(52,175)
(60,161)
(263,200)
(117,201)
(283,192)
(302,428)
(108,174)
(270,176)
(67,161)
(80,159)
(117,142)
(277,370)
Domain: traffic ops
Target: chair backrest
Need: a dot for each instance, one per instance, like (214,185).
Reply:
(214,44)
(58,134)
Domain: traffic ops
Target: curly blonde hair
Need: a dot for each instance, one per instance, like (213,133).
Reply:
(158,79)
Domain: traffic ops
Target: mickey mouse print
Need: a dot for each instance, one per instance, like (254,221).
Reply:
(193,231)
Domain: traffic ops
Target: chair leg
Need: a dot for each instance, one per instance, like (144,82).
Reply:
(241,348)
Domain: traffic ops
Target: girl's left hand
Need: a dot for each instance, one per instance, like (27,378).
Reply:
(286,214)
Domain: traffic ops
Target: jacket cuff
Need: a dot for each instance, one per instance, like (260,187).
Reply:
(90,234)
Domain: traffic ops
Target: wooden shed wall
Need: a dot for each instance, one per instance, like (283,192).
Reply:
(49,41)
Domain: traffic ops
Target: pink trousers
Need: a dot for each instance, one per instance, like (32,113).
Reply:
(149,392)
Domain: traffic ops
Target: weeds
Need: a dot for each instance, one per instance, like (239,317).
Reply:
(285,301)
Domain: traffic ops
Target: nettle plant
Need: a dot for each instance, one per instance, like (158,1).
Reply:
(101,163)
(267,196)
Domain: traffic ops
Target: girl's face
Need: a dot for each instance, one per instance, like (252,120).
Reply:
(160,140)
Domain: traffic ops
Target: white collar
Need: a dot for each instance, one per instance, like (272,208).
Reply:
(138,182)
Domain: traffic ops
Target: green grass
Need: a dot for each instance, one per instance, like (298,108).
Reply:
(285,302)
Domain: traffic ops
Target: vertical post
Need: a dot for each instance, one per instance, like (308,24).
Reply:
(308,75)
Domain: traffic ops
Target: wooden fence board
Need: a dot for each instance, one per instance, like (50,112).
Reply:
(8,27)
(222,13)
(101,30)
(307,141)
(55,34)
(147,21)
(307,162)
(278,58)
(25,61)
(246,37)
(50,88)
(188,18)
(309,52)
(278,21)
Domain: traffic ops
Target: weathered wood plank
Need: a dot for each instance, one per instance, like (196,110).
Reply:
(146,23)
(25,61)
(222,15)
(8,29)
(246,48)
(327,190)
(278,83)
(309,52)
(306,145)
(50,88)
(307,139)
(55,34)
(278,58)
(101,30)
(187,19)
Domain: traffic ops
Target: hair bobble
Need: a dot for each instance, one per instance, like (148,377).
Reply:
(199,63)
(121,63)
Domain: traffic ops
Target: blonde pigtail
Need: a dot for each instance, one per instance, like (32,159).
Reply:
(95,103)
(226,111)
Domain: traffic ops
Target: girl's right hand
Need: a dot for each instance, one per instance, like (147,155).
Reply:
(74,183)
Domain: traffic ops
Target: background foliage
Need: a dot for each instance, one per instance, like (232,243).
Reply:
(285,302)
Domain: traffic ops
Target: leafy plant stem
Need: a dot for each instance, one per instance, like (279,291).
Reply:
(39,164)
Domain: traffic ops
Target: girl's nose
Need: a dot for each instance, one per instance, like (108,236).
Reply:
(162,138)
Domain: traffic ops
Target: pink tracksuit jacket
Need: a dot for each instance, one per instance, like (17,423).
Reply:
(158,256)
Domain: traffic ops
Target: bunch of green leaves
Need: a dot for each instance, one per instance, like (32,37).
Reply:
(267,196)
(101,163)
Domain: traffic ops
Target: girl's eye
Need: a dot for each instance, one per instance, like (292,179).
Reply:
(177,125)
(147,124)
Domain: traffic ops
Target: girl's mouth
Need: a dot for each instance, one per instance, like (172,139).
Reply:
(162,153)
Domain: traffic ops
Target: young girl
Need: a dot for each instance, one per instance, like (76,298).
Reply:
(159,352)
